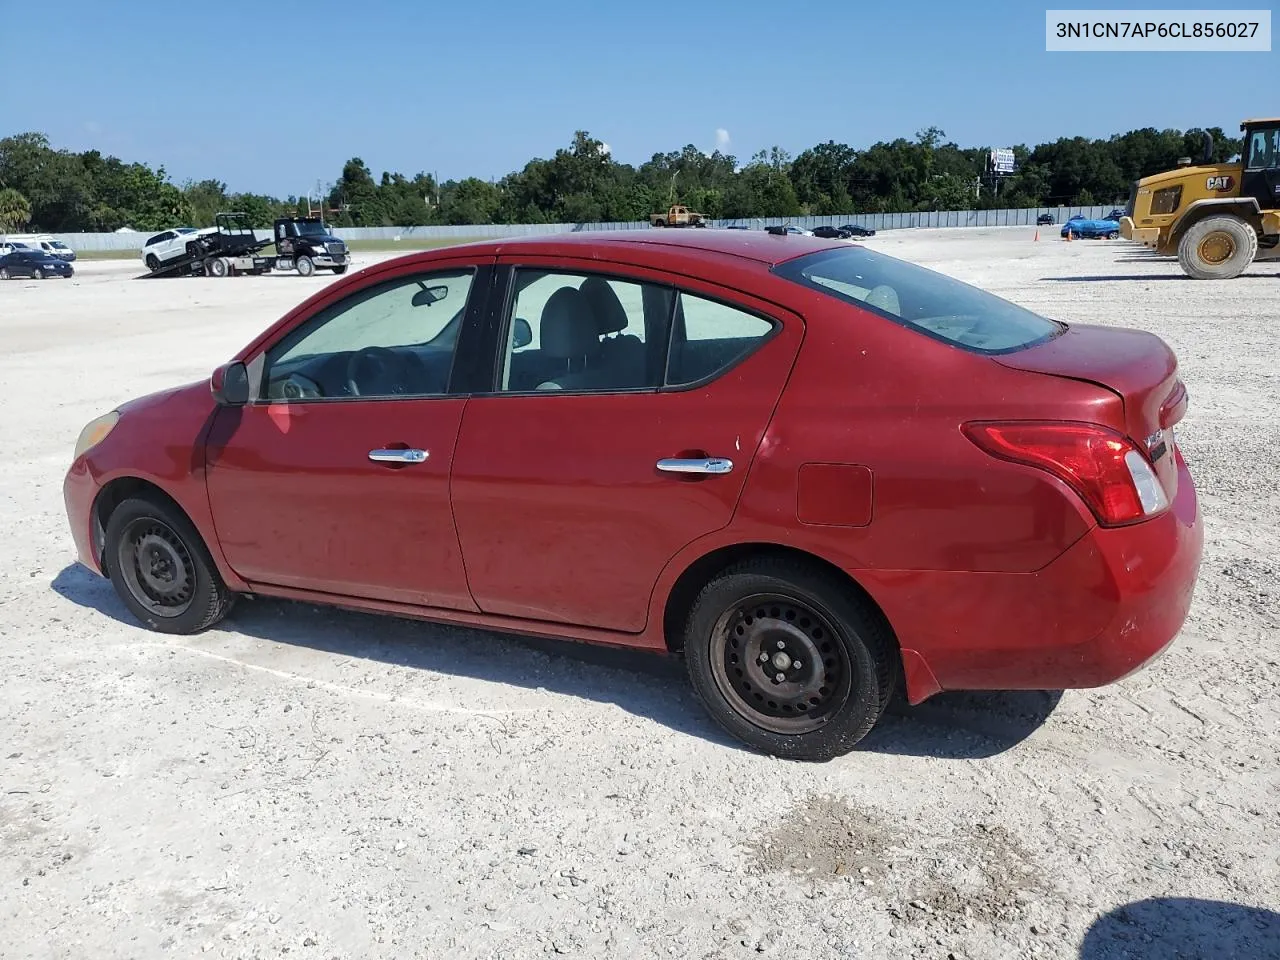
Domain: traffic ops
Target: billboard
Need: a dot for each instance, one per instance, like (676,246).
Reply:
(1002,160)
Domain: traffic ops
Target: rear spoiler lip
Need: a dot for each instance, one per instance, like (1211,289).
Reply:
(1175,406)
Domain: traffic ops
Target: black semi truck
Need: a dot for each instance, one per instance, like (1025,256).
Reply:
(303,244)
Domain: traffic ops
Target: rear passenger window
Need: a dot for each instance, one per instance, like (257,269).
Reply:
(709,337)
(576,332)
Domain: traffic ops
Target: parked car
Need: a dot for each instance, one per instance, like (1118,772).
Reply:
(1079,226)
(43,241)
(787,229)
(170,244)
(842,475)
(831,233)
(9,246)
(33,263)
(1044,220)
(856,231)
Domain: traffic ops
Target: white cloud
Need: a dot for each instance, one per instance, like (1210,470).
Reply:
(722,139)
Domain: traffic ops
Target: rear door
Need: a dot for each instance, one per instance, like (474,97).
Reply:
(620,433)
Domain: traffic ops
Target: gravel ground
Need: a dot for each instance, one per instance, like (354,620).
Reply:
(325,784)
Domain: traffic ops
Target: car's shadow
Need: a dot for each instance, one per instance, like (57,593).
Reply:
(1166,927)
(951,725)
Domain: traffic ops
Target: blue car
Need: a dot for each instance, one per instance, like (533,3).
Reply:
(1078,226)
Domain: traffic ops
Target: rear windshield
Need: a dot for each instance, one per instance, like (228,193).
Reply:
(930,302)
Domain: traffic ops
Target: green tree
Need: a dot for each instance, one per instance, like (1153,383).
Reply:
(15,210)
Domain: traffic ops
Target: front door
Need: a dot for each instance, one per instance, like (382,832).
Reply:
(1261,178)
(621,433)
(336,478)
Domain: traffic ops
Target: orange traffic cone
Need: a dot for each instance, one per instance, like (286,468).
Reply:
(1037,235)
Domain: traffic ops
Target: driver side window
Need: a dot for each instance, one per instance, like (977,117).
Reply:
(394,339)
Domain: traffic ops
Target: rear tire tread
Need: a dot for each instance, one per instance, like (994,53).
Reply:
(848,610)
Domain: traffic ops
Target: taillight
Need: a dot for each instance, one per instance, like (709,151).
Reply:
(1104,467)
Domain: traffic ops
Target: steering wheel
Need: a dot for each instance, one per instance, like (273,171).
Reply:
(385,365)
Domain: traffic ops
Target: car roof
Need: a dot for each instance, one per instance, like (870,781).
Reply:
(754,245)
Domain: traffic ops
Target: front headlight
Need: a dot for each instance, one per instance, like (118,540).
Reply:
(94,432)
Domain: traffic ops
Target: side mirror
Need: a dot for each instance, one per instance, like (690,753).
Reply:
(521,334)
(230,385)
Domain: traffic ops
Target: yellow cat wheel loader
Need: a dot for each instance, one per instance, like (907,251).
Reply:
(1217,218)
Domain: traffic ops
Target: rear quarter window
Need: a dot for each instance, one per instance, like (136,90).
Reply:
(928,302)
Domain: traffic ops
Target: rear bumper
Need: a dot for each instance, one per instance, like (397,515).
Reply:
(79,491)
(1107,607)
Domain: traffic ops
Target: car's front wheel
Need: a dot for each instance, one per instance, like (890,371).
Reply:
(305,266)
(789,659)
(161,568)
(37,274)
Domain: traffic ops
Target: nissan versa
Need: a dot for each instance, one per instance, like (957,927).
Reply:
(818,473)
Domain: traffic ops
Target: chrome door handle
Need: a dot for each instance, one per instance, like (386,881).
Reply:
(398,456)
(714,465)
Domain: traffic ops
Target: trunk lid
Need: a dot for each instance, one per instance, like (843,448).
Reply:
(1137,366)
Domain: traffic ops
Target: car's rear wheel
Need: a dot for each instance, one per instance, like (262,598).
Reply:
(37,274)
(4,273)
(161,568)
(788,659)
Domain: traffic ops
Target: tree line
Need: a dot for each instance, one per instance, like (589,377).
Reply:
(61,191)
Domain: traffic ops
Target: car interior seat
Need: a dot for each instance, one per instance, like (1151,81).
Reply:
(886,298)
(568,333)
(623,353)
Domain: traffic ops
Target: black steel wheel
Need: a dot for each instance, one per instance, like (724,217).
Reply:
(161,568)
(153,263)
(779,663)
(789,658)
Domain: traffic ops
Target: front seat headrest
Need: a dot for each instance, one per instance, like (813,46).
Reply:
(568,327)
(609,313)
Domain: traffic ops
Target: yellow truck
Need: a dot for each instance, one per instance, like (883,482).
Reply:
(678,216)
(1217,218)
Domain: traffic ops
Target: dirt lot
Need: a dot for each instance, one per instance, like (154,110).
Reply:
(324,784)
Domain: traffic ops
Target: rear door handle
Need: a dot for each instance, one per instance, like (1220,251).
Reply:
(398,456)
(714,465)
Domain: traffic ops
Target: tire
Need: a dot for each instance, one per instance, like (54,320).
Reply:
(181,592)
(216,267)
(37,274)
(340,270)
(4,273)
(839,664)
(1113,235)
(1232,238)
(153,264)
(305,267)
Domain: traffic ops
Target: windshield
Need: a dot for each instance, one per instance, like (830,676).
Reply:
(311,228)
(58,245)
(934,304)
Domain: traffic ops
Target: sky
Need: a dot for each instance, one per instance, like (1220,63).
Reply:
(273,97)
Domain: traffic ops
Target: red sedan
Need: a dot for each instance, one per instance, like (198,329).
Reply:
(816,472)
